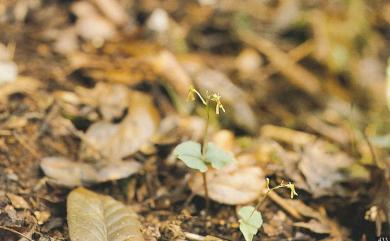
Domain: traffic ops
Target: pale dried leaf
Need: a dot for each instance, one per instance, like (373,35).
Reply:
(110,99)
(18,201)
(69,173)
(112,10)
(115,141)
(25,85)
(324,169)
(166,64)
(90,25)
(94,217)
(238,183)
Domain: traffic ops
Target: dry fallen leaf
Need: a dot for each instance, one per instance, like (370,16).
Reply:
(166,64)
(91,25)
(324,169)
(20,85)
(110,99)
(18,201)
(115,141)
(113,10)
(94,217)
(320,222)
(239,183)
(69,173)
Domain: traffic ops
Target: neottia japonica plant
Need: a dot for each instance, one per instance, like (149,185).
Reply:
(205,155)
(251,219)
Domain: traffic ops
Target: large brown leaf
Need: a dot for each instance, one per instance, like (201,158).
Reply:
(94,217)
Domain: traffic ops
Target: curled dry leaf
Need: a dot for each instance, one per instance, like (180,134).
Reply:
(324,169)
(320,222)
(112,10)
(166,64)
(110,99)
(94,217)
(239,183)
(18,201)
(90,24)
(70,173)
(115,141)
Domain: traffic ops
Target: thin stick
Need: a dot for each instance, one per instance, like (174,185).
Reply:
(15,232)
(26,145)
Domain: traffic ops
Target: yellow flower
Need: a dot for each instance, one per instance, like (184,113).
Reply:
(218,105)
(292,189)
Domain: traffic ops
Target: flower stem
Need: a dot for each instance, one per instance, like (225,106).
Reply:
(204,150)
(206,191)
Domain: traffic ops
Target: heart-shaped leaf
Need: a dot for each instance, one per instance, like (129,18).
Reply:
(250,221)
(94,217)
(217,156)
(190,153)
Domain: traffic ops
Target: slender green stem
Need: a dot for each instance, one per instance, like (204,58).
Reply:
(205,133)
(206,190)
(258,205)
(204,150)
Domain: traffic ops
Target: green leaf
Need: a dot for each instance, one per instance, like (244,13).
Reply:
(250,221)
(190,153)
(217,156)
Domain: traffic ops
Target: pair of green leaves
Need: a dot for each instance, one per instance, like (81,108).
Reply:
(250,221)
(191,154)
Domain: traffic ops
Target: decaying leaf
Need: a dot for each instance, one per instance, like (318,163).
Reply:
(94,217)
(110,99)
(69,173)
(238,183)
(166,64)
(319,223)
(18,201)
(91,25)
(324,169)
(116,141)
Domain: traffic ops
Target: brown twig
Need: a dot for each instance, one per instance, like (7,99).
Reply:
(296,74)
(15,232)
(26,145)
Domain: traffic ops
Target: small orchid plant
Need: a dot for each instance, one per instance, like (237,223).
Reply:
(203,156)
(251,219)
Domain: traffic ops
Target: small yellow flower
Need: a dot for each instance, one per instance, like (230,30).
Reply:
(292,190)
(218,105)
(191,94)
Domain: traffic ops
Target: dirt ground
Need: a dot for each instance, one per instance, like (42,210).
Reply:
(93,93)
